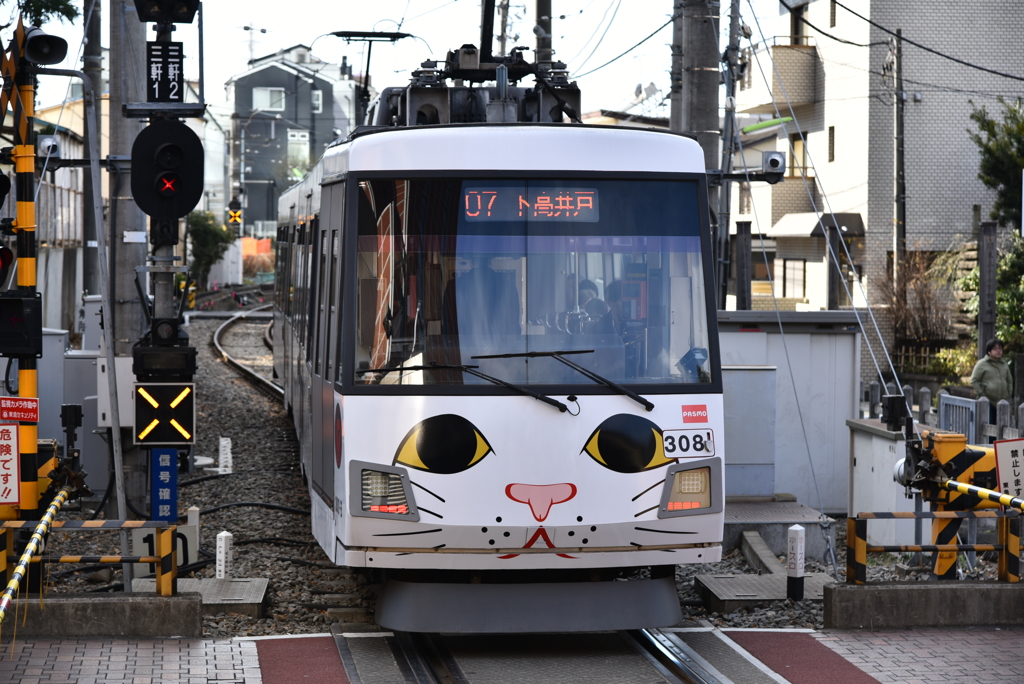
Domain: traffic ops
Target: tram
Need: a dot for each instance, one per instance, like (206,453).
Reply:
(496,333)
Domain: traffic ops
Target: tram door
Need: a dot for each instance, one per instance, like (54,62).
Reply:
(322,387)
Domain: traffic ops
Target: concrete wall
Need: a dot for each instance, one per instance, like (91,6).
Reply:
(824,365)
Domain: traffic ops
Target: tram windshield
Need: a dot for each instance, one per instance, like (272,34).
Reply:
(450,269)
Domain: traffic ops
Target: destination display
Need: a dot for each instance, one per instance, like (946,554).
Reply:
(536,202)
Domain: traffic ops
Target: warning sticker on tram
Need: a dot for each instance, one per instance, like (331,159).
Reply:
(19,408)
(683,443)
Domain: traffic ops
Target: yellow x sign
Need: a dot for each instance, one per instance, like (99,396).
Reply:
(234,216)
(165,413)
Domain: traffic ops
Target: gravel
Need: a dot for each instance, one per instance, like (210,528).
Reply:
(306,592)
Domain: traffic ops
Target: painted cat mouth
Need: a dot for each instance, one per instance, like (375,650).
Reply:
(540,534)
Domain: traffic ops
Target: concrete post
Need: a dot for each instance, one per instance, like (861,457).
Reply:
(925,405)
(744,267)
(981,418)
(908,394)
(986,285)
(795,564)
(890,389)
(1003,412)
(875,399)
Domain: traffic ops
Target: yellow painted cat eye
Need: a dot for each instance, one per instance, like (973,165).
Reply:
(627,444)
(444,444)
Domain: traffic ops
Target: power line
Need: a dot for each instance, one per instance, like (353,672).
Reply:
(928,49)
(829,35)
(601,39)
(629,50)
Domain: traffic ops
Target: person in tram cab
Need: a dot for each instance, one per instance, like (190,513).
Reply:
(589,301)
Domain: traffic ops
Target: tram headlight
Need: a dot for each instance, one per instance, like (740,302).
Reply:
(693,487)
(381,491)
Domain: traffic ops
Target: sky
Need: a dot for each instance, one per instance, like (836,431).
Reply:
(585,34)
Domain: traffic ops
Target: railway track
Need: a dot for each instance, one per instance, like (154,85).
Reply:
(253,362)
(431,659)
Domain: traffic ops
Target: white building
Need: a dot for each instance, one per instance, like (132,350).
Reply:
(829,78)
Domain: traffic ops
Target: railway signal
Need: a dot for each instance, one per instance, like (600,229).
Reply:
(165,413)
(235,215)
(167,174)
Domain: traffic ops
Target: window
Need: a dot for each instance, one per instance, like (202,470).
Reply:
(268,99)
(797,156)
(793,278)
(318,101)
(831,143)
(796,25)
(298,147)
(832,14)
(451,269)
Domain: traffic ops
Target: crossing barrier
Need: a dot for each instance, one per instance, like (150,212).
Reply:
(164,560)
(1007,531)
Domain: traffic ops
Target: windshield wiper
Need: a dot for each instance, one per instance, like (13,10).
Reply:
(559,356)
(483,376)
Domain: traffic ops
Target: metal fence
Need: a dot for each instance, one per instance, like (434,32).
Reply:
(970,417)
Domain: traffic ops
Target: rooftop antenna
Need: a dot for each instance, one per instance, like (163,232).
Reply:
(252,30)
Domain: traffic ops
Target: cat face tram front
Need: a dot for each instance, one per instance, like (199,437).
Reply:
(529,375)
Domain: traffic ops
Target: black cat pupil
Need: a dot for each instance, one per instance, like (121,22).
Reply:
(446,444)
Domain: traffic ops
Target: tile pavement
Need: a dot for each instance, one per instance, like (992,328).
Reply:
(147,661)
(980,655)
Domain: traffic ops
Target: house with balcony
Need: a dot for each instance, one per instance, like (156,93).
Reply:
(836,82)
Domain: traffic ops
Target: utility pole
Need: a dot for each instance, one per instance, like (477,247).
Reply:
(127,236)
(93,68)
(694,95)
(503,8)
(731,59)
(899,247)
(543,31)
(987,263)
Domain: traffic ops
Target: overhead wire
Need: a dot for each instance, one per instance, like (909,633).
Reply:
(617,4)
(829,35)
(814,206)
(928,49)
(623,54)
(823,522)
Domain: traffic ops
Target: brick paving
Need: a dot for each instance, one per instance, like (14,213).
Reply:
(144,661)
(980,655)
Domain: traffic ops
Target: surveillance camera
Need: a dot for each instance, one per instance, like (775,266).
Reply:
(48,146)
(773,166)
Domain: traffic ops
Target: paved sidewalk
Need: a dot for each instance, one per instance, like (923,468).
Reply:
(980,655)
(146,661)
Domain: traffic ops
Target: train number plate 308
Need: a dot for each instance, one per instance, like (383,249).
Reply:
(683,443)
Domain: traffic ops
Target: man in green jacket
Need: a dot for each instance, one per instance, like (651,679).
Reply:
(991,377)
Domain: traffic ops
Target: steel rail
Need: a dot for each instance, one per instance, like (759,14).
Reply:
(33,545)
(428,661)
(665,653)
(261,382)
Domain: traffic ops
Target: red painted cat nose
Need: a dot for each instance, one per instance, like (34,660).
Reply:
(541,497)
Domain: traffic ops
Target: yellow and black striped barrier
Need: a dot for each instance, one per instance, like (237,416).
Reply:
(1007,530)
(42,528)
(164,560)
(88,524)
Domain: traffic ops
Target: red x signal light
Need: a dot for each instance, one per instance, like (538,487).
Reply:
(167,184)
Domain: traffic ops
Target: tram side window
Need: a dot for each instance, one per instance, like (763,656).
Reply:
(312,278)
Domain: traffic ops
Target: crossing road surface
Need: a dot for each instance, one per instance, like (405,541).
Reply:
(915,656)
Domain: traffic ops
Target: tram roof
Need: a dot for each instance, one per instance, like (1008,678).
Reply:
(513,147)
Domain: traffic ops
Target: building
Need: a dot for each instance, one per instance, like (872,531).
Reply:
(286,109)
(836,79)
